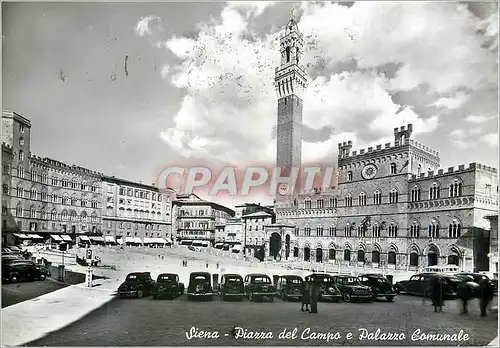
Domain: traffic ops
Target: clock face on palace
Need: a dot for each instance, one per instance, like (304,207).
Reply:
(369,171)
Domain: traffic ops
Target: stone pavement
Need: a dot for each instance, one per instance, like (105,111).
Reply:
(33,319)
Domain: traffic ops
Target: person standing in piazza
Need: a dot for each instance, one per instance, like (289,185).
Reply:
(487,292)
(305,295)
(314,296)
(436,287)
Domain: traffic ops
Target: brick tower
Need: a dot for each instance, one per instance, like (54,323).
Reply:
(290,81)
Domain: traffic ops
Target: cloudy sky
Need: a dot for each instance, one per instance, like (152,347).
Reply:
(129,89)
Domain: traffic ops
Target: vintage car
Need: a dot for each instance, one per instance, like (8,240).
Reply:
(352,290)
(259,286)
(231,286)
(168,285)
(137,284)
(200,286)
(380,286)
(289,286)
(328,290)
(24,271)
(477,277)
(418,284)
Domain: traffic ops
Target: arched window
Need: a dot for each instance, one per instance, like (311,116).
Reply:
(456,189)
(376,230)
(347,255)
(295,252)
(19,210)
(83,216)
(413,259)
(319,231)
(393,230)
(361,255)
(375,256)
(287,54)
(454,229)
(297,55)
(296,231)
(21,155)
(307,203)
(391,257)
(53,215)
(307,231)
(415,194)
(332,231)
(348,230)
(433,229)
(377,197)
(295,202)
(419,170)
(349,176)
(362,198)
(348,200)
(20,191)
(331,254)
(434,191)
(393,196)
(393,168)
(320,203)
(414,230)
(333,202)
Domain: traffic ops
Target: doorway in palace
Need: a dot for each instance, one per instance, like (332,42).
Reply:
(274,245)
(319,255)
(287,247)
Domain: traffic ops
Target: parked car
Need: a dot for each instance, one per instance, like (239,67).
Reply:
(289,286)
(477,277)
(168,285)
(258,285)
(352,290)
(137,284)
(200,286)
(379,285)
(328,290)
(231,286)
(418,284)
(24,271)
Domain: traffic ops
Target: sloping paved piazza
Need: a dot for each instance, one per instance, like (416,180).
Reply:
(148,322)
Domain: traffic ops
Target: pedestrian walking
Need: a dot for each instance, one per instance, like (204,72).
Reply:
(437,289)
(305,295)
(314,296)
(206,264)
(486,295)
(464,293)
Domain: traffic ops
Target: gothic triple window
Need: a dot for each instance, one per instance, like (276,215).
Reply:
(393,196)
(435,191)
(393,230)
(415,194)
(307,203)
(361,231)
(456,189)
(333,202)
(414,230)
(454,229)
(319,231)
(320,203)
(307,232)
(362,198)
(376,231)
(332,231)
(348,231)
(393,168)
(348,200)
(433,229)
(377,197)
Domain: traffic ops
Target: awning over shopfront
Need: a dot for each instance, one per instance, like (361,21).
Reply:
(34,236)
(21,235)
(84,238)
(97,239)
(56,237)
(137,240)
(110,239)
(119,241)
(66,238)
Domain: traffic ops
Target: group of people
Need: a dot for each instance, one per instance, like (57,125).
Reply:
(466,291)
(310,295)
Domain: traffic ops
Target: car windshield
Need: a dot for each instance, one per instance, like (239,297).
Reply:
(294,280)
(381,281)
(234,280)
(167,278)
(132,277)
(200,278)
(351,281)
(261,280)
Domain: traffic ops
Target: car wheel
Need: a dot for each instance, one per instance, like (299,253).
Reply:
(14,279)
(398,290)
(390,298)
(140,294)
(347,297)
(42,277)
(250,296)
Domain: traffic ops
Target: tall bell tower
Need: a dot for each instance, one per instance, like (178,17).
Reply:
(290,81)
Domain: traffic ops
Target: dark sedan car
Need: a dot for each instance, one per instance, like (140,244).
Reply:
(418,284)
(290,286)
(477,277)
(352,289)
(200,286)
(24,271)
(168,285)
(379,285)
(231,286)
(258,285)
(328,290)
(137,284)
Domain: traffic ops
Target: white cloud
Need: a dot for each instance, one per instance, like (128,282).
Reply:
(230,105)
(490,139)
(251,7)
(164,71)
(478,119)
(142,28)
(451,103)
